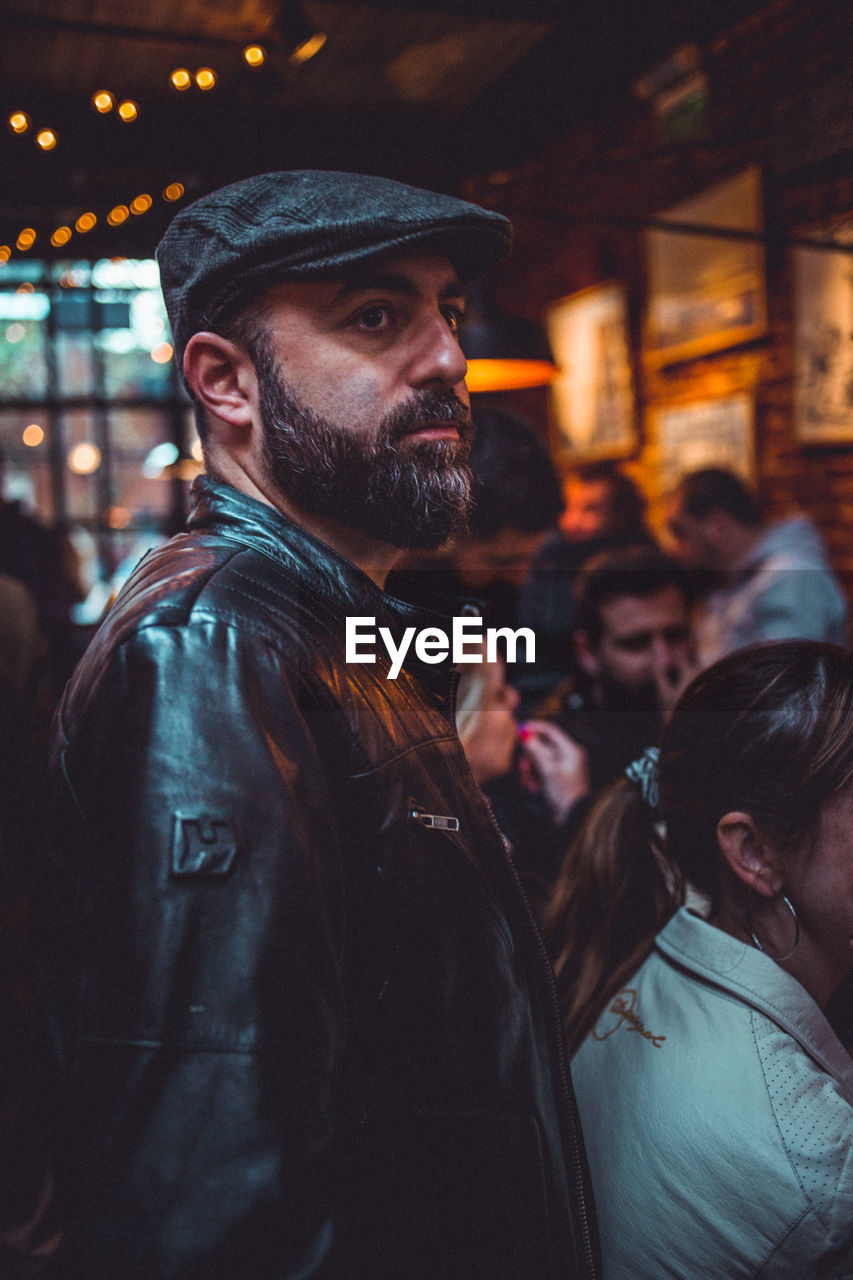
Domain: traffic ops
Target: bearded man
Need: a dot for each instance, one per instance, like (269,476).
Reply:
(304,1024)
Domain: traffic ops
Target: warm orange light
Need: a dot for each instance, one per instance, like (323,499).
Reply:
(508,375)
(141,204)
(103,101)
(197,452)
(128,111)
(60,237)
(118,215)
(85,223)
(174,191)
(117,517)
(84,458)
(26,287)
(205,77)
(5,253)
(19,122)
(33,435)
(254,55)
(181,78)
(162,353)
(26,239)
(307,50)
(46,139)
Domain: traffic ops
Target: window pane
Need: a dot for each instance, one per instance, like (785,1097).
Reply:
(27,478)
(23,372)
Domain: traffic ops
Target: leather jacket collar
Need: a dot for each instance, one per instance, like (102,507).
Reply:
(348,591)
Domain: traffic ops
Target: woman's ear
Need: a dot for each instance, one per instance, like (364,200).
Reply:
(222,378)
(748,855)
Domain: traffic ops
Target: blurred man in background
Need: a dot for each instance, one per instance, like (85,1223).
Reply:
(772,580)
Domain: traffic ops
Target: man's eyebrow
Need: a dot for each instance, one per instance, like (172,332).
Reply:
(393,282)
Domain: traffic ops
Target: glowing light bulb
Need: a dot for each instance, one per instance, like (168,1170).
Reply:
(162,353)
(174,191)
(254,55)
(60,237)
(128,111)
(5,253)
(19,122)
(118,215)
(85,222)
(141,204)
(26,239)
(84,458)
(103,101)
(181,78)
(33,435)
(46,139)
(205,77)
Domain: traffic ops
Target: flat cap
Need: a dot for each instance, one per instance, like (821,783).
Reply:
(308,224)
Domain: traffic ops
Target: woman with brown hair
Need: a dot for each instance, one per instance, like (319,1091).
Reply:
(717,1102)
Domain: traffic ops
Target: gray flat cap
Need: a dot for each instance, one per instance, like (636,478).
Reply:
(308,224)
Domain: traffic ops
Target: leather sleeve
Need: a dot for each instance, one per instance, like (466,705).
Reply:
(202,904)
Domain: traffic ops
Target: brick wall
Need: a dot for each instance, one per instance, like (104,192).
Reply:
(781,98)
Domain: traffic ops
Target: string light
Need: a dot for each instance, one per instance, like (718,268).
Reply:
(19,122)
(181,79)
(162,353)
(254,55)
(128,111)
(46,139)
(116,216)
(205,78)
(103,101)
(26,287)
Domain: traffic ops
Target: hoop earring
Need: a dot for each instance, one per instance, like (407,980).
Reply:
(789,904)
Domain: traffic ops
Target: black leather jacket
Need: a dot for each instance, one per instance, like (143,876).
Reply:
(304,1029)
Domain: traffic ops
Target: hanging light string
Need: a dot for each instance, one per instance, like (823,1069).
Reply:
(117,215)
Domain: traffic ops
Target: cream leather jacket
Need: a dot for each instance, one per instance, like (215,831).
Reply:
(717,1107)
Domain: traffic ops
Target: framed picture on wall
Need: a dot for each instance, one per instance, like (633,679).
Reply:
(823,343)
(704,433)
(706,292)
(593,404)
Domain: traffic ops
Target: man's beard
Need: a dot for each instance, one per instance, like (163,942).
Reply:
(414,496)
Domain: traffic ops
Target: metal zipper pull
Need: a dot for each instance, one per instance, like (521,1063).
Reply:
(438,821)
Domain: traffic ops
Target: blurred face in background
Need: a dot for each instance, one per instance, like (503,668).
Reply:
(588,510)
(504,558)
(644,639)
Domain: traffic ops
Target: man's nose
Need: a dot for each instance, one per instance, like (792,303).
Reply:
(439,358)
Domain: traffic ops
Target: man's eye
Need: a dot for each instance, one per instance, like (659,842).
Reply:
(454,317)
(374,318)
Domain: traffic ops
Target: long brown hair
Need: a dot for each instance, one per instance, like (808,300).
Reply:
(767,730)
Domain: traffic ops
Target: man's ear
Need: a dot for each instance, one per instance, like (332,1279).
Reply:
(222,378)
(586,655)
(749,856)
